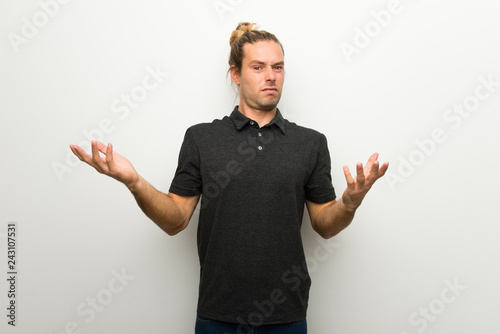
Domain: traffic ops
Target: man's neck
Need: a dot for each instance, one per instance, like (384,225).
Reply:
(262,117)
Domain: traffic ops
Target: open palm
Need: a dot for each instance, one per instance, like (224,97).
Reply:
(112,164)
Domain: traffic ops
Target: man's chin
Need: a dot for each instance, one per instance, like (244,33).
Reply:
(264,104)
(269,105)
(268,108)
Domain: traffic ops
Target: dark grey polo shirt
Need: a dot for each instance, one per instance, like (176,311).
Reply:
(254,183)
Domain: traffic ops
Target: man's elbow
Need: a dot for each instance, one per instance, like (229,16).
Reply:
(175,229)
(172,232)
(324,233)
(327,234)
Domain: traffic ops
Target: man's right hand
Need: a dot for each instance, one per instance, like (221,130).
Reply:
(113,164)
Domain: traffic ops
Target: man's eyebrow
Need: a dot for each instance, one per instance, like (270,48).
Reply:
(257,62)
(260,62)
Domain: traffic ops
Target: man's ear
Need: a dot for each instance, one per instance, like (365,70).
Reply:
(235,74)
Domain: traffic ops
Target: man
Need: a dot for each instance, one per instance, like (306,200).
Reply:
(254,171)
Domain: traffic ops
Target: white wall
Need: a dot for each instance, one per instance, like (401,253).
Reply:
(431,223)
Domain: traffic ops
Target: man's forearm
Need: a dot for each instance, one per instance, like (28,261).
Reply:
(159,207)
(333,218)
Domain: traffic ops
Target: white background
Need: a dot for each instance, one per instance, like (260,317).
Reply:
(433,219)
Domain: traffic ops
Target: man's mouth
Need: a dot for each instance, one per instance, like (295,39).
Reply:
(270,89)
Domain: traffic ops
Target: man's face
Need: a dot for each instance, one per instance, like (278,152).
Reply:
(262,75)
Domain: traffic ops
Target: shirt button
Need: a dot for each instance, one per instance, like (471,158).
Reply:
(260,148)
(251,122)
(260,134)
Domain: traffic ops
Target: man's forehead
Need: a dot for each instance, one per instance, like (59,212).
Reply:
(263,52)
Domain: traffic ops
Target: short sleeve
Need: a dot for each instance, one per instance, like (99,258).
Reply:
(187,179)
(319,188)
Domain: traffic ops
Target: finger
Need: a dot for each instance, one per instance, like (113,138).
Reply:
(81,154)
(360,174)
(73,149)
(373,157)
(109,157)
(370,162)
(101,147)
(348,176)
(383,169)
(374,170)
(96,157)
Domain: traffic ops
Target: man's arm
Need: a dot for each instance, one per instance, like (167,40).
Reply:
(170,212)
(328,219)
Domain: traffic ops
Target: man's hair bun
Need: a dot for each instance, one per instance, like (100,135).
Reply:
(242,28)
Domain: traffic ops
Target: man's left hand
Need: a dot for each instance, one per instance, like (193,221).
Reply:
(365,178)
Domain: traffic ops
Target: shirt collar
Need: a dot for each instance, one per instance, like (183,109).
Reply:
(241,120)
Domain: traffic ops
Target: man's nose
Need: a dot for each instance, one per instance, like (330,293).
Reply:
(270,75)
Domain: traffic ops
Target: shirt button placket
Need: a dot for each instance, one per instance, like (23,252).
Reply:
(260,148)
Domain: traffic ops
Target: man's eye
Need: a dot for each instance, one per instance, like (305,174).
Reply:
(257,68)
(278,67)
